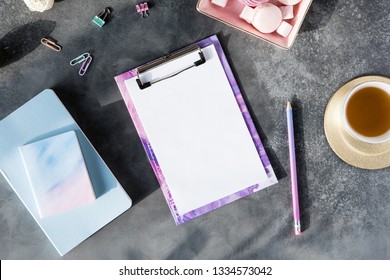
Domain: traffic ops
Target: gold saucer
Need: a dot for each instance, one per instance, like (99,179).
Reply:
(349,149)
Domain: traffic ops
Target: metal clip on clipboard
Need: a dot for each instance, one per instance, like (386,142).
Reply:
(166,59)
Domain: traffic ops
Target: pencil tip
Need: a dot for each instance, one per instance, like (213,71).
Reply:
(288,105)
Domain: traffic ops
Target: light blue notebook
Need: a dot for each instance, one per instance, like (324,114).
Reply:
(42,117)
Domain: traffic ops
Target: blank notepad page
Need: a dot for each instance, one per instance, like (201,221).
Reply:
(197,133)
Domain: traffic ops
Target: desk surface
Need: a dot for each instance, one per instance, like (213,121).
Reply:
(345,210)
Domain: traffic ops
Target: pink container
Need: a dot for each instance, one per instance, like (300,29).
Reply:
(230,16)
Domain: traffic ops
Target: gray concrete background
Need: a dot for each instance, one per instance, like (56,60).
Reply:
(345,210)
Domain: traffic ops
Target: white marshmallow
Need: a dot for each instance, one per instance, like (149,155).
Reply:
(284,29)
(247,14)
(287,12)
(267,18)
(289,2)
(221,3)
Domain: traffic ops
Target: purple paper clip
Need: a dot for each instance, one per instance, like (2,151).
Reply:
(85,65)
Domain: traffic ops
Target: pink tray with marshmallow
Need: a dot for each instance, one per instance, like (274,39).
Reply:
(230,14)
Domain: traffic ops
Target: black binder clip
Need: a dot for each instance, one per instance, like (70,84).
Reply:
(166,59)
(99,20)
(142,9)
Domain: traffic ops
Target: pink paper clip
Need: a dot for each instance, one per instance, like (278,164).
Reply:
(138,9)
(142,9)
(85,65)
(146,7)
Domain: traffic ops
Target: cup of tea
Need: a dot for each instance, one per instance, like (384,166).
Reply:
(365,112)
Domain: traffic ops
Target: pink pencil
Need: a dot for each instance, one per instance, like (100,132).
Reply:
(293,169)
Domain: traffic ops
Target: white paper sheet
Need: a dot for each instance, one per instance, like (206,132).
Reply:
(197,132)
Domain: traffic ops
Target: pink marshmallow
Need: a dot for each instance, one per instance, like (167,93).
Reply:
(253,3)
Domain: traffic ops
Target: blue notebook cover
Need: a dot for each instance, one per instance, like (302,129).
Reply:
(58,176)
(42,117)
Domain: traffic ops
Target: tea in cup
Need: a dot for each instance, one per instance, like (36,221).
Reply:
(365,112)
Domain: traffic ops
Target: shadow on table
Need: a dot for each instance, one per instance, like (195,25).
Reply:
(94,100)
(189,248)
(114,137)
(21,41)
(275,163)
(280,172)
(319,14)
(286,230)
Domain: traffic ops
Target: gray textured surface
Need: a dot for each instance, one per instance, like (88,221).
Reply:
(345,210)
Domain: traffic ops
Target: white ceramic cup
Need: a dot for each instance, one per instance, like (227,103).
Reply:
(373,140)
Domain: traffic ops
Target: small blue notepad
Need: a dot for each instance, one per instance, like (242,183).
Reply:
(58,176)
(42,117)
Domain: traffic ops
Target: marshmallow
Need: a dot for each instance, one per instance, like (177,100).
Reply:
(284,29)
(247,14)
(266,17)
(221,3)
(253,3)
(289,2)
(287,12)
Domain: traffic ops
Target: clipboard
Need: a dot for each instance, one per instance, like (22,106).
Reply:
(196,129)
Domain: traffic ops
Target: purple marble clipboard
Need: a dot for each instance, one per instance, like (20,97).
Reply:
(179,219)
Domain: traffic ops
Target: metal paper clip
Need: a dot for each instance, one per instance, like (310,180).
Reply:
(99,20)
(85,65)
(146,9)
(51,44)
(79,59)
